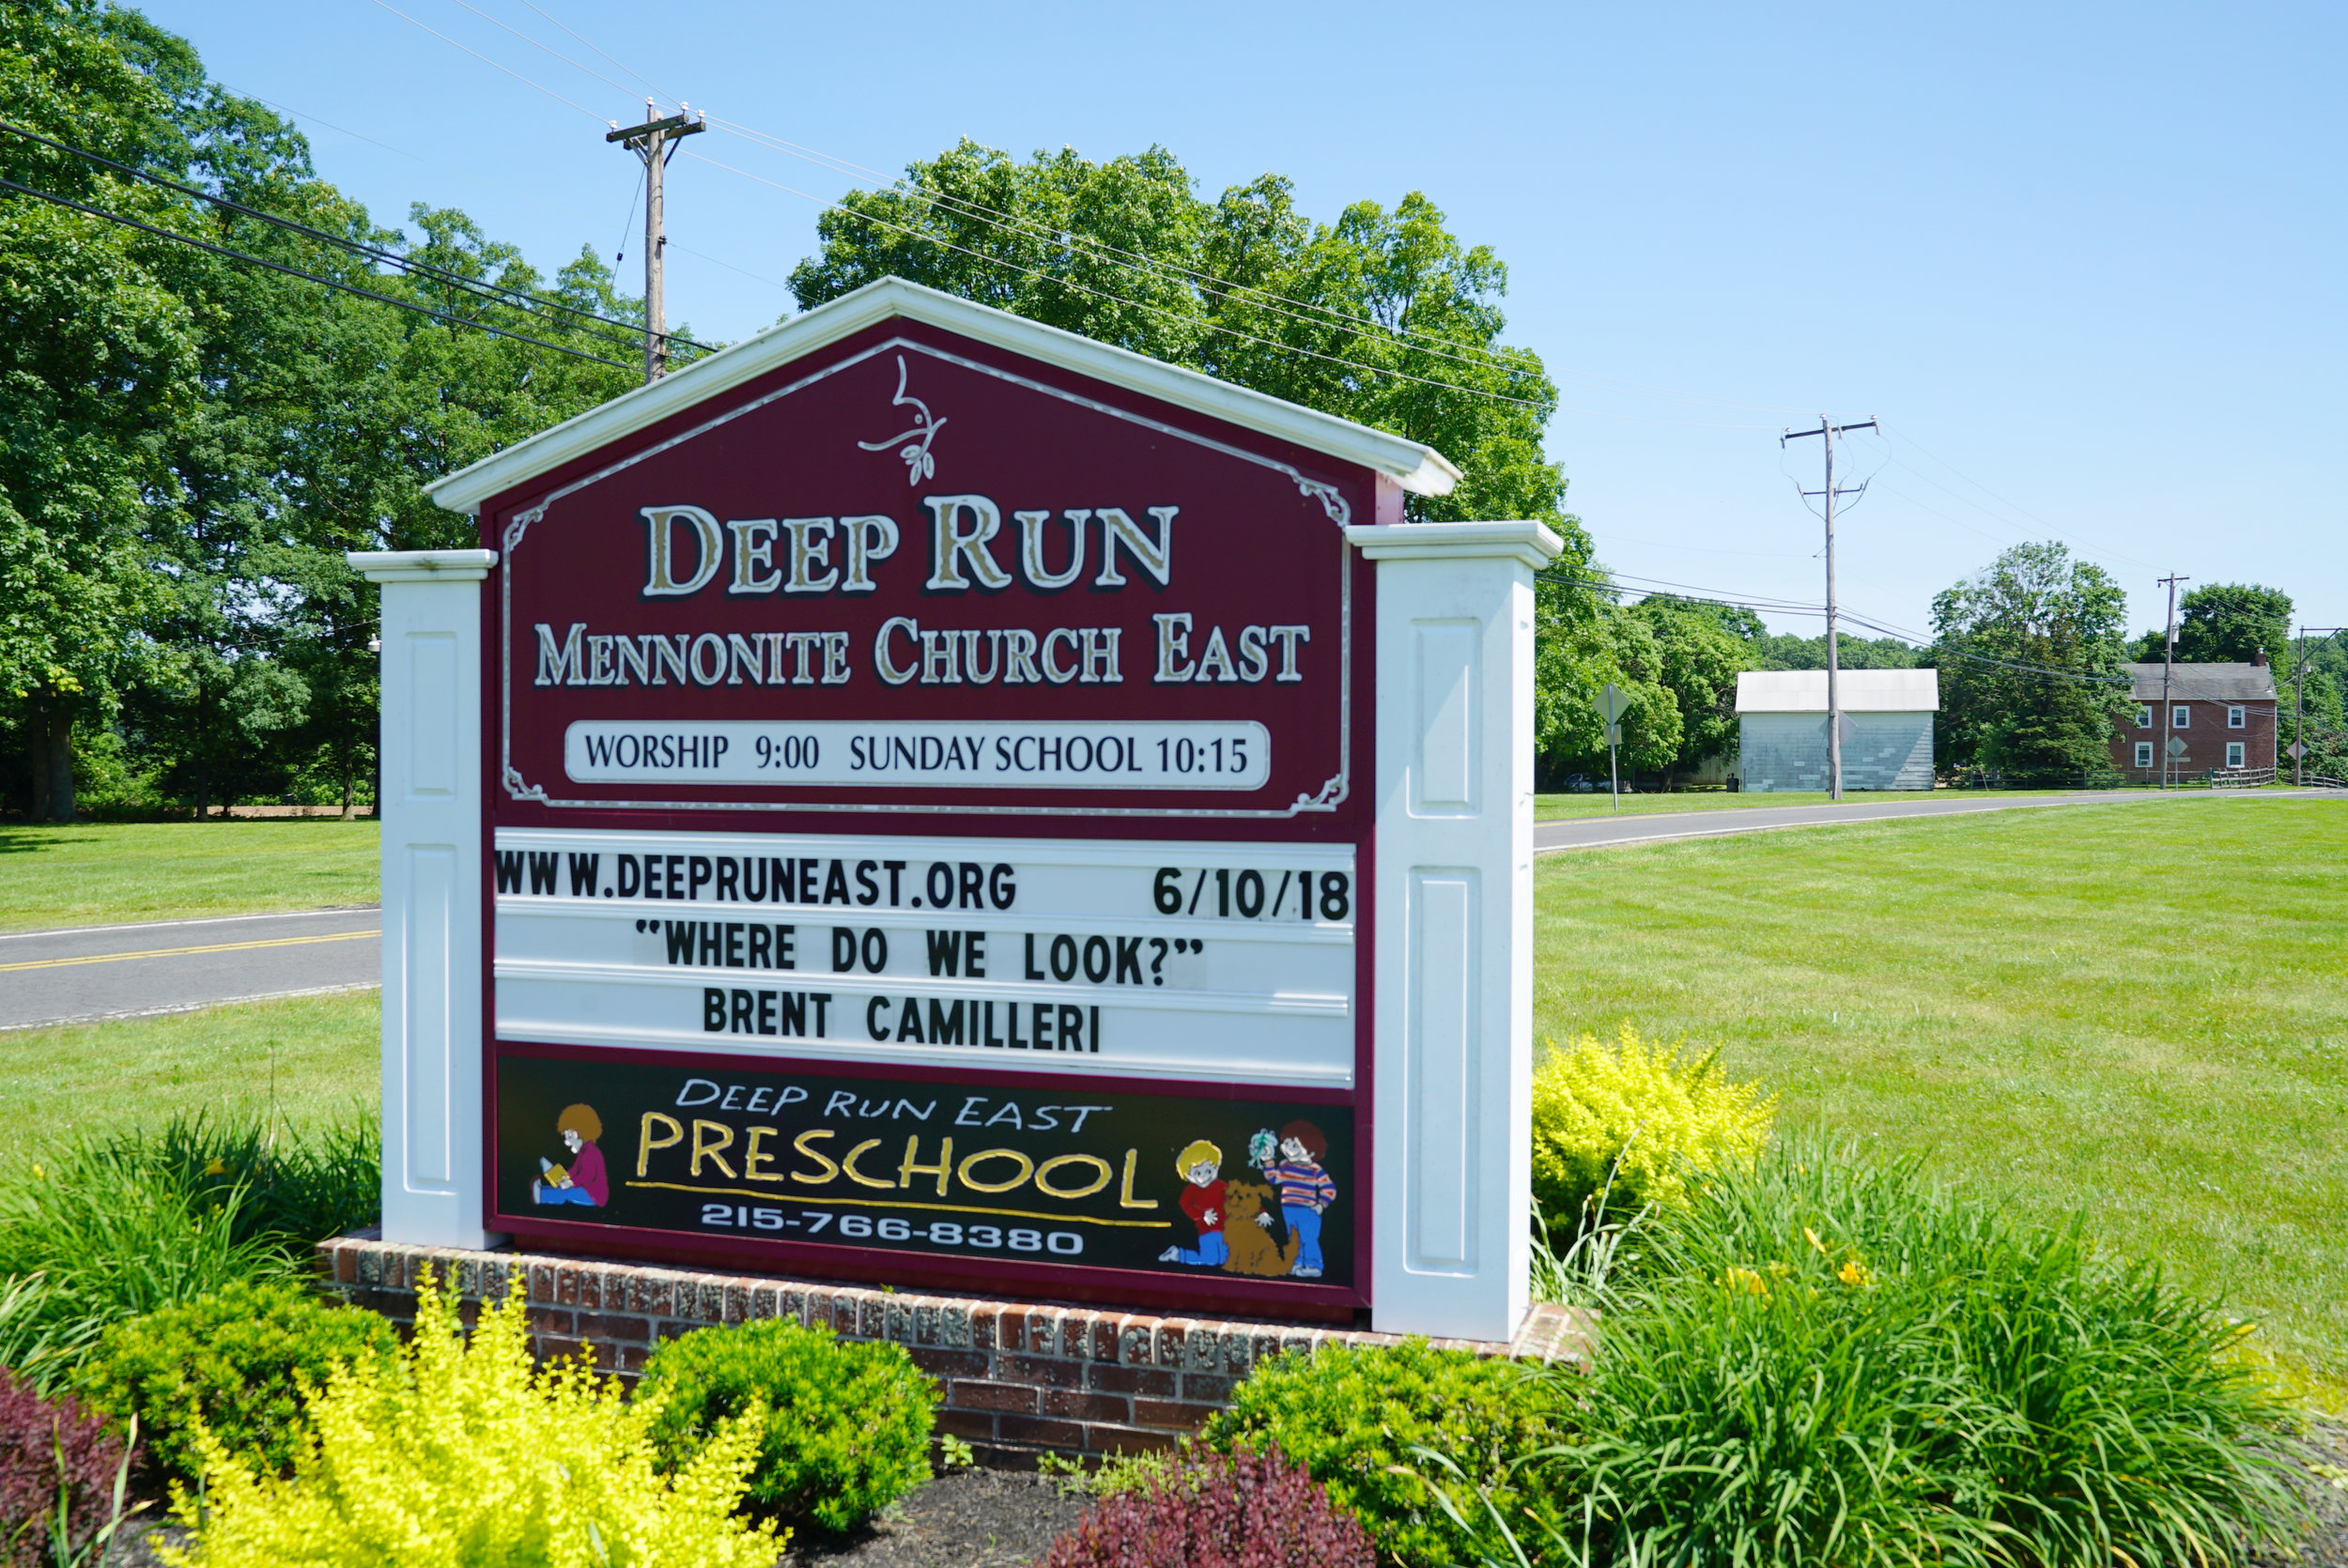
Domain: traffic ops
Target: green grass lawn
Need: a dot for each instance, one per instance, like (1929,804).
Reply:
(100,874)
(2142,1014)
(304,1059)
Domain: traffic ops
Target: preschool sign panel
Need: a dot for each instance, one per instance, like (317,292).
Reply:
(760,1157)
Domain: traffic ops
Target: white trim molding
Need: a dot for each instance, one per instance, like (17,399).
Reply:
(1416,467)
(421,565)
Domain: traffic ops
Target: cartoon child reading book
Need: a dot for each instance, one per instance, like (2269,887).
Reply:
(1305,1190)
(1202,1200)
(582,1181)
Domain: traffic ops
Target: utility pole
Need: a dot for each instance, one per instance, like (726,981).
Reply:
(2168,669)
(1827,431)
(650,142)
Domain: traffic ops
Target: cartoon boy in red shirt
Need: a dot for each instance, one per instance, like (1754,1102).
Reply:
(1202,1200)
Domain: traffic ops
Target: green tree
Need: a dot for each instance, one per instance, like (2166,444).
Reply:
(1700,653)
(1786,650)
(97,366)
(190,442)
(2227,623)
(2030,651)
(1382,317)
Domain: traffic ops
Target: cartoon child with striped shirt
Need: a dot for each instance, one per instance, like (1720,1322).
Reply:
(1305,1188)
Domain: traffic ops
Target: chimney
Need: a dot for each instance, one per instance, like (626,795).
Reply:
(2259,658)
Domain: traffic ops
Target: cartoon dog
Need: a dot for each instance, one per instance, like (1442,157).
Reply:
(1253,1250)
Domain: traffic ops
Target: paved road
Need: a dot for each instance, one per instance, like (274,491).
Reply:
(1578,833)
(166,966)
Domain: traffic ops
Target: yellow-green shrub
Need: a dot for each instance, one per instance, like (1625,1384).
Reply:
(459,1454)
(1595,1105)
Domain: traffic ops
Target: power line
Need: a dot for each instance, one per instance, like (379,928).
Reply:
(748,133)
(493,293)
(487,61)
(298,272)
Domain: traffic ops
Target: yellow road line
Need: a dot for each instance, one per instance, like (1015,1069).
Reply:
(178,952)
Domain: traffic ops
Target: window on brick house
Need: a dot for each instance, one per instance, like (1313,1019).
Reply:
(2180,717)
(2234,753)
(2143,716)
(2237,717)
(2143,754)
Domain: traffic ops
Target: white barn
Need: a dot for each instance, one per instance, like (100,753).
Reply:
(1781,726)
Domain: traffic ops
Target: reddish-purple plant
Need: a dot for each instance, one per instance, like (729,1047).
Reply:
(1218,1510)
(35,1434)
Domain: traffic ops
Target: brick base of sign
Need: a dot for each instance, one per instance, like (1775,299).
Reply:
(1016,1379)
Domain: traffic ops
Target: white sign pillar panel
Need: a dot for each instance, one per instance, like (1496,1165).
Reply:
(968,808)
(1454,900)
(430,806)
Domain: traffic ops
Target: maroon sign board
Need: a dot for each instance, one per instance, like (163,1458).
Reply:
(930,836)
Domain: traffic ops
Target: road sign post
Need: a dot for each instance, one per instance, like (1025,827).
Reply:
(1612,703)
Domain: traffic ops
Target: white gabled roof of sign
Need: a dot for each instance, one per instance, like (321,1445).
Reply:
(1858,691)
(1418,469)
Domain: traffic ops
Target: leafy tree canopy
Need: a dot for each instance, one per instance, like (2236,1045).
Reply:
(2029,652)
(2227,623)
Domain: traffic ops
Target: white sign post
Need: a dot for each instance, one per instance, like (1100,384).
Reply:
(430,806)
(1454,901)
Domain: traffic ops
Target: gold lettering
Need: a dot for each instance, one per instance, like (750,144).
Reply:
(753,1157)
(1027,1168)
(646,1143)
(906,1172)
(858,1177)
(707,1148)
(1044,1176)
(1125,1198)
(800,1144)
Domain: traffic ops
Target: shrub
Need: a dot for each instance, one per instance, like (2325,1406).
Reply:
(1217,1510)
(850,1431)
(240,1361)
(1637,1116)
(49,1446)
(1823,1360)
(97,1239)
(1353,1418)
(94,1233)
(458,1453)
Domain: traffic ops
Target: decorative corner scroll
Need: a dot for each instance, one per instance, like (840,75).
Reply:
(1331,501)
(919,463)
(1332,795)
(520,525)
(522,788)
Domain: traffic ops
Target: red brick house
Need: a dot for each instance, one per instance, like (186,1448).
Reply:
(2225,713)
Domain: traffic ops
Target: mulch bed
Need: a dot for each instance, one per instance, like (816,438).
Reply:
(964,1519)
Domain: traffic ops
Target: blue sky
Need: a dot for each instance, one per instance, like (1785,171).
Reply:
(2083,262)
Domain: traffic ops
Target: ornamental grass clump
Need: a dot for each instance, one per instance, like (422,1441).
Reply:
(456,1454)
(238,1362)
(1240,1510)
(849,1432)
(1355,1418)
(1824,1359)
(1633,1121)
